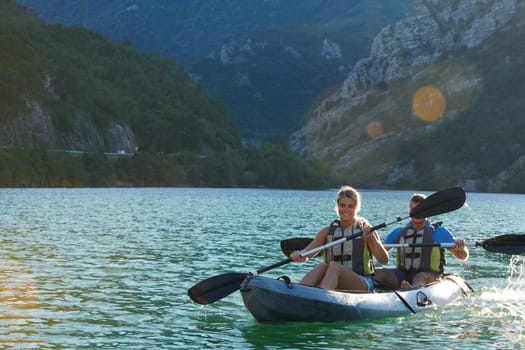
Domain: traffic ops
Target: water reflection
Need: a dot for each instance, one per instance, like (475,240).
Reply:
(19,303)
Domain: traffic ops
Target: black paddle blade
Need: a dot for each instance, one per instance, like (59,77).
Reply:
(292,244)
(217,287)
(507,244)
(439,203)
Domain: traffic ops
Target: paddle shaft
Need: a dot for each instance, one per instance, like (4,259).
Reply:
(511,244)
(344,239)
(271,267)
(357,234)
(410,245)
(515,247)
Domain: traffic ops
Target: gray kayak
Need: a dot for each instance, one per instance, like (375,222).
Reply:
(272,300)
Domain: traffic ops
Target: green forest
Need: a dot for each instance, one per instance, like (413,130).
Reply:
(271,166)
(186,137)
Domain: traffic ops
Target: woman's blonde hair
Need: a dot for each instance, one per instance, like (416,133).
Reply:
(349,192)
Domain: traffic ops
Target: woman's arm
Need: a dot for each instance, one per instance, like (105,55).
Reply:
(376,246)
(318,241)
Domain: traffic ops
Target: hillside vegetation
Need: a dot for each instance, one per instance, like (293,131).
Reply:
(268,61)
(184,135)
(71,70)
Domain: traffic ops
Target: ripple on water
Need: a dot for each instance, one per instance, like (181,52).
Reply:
(110,268)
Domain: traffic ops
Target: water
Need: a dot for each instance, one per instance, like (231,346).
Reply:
(110,268)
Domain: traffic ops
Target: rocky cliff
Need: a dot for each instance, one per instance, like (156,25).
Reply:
(36,127)
(72,89)
(361,128)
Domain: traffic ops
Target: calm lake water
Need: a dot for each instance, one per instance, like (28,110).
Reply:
(110,269)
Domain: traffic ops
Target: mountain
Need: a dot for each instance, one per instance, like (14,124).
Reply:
(77,109)
(430,98)
(268,60)
(70,88)
(438,102)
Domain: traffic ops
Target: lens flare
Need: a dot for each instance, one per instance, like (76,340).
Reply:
(375,129)
(428,103)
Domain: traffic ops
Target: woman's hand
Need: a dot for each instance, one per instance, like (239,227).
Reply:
(296,256)
(368,235)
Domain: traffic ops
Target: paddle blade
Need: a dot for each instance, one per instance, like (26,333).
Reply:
(215,288)
(439,203)
(507,244)
(292,244)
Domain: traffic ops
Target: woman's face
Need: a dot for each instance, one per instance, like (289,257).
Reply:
(346,208)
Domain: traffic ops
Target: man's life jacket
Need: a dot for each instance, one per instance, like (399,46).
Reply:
(418,259)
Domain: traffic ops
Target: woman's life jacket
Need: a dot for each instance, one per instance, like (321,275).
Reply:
(354,253)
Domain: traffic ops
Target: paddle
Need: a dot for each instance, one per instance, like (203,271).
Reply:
(512,244)
(437,203)
(220,286)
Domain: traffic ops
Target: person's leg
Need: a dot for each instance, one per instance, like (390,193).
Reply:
(387,278)
(315,275)
(405,285)
(421,279)
(339,277)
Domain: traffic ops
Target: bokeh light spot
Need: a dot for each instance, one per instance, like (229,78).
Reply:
(375,129)
(428,103)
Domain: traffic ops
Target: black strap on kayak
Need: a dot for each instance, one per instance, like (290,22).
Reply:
(382,286)
(404,301)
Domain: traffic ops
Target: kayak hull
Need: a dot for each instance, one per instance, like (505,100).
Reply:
(276,300)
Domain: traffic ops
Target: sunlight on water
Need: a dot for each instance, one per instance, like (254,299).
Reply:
(19,302)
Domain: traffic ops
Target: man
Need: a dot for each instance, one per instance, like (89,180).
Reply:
(424,262)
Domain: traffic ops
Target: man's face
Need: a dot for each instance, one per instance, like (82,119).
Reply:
(416,221)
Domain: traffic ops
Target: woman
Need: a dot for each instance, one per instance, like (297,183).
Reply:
(349,265)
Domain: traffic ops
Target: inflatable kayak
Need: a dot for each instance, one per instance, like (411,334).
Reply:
(272,300)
